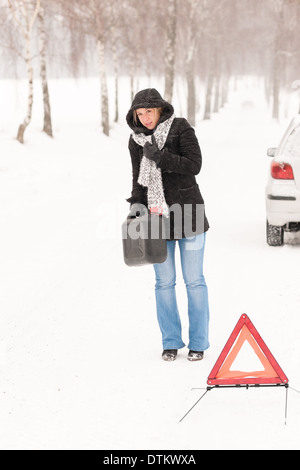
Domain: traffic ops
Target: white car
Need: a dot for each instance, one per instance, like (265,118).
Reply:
(283,187)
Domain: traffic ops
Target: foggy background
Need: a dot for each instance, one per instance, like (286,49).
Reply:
(197,45)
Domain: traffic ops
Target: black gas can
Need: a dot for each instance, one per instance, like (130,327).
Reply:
(144,239)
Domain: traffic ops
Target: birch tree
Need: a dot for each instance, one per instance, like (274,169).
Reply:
(116,71)
(10,43)
(193,24)
(43,71)
(24,14)
(170,49)
(218,37)
(280,49)
(104,91)
(284,47)
(277,55)
(143,40)
(92,18)
(205,41)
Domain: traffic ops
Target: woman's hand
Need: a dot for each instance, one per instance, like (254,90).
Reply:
(151,151)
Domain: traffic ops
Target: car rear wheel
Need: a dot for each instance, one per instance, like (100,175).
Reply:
(274,235)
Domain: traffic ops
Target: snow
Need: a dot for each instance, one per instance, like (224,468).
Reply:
(80,348)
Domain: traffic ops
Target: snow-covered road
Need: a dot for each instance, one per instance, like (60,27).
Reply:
(80,348)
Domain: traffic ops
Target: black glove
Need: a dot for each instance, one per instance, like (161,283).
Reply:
(152,152)
(137,210)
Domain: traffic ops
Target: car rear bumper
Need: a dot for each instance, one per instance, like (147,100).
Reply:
(282,203)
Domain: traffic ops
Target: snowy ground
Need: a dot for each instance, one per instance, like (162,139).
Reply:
(80,348)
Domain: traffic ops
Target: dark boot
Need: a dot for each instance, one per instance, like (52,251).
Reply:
(169,355)
(195,355)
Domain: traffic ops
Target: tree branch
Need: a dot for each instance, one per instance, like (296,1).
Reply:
(35,13)
(13,12)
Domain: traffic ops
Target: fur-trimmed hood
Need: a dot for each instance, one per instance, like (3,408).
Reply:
(148,98)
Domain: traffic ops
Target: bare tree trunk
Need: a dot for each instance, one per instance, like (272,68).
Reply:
(276,87)
(25,22)
(225,86)
(208,97)
(170,49)
(217,81)
(116,72)
(277,57)
(277,71)
(43,72)
(216,106)
(27,120)
(191,50)
(191,99)
(209,89)
(104,92)
(131,73)
(224,97)
(116,99)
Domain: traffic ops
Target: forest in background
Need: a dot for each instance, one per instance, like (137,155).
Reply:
(205,43)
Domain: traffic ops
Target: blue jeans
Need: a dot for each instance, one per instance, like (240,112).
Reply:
(191,254)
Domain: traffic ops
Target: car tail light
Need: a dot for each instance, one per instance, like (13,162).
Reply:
(282,171)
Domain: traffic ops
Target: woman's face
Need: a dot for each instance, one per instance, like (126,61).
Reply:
(149,117)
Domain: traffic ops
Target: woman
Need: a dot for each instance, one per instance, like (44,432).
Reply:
(165,157)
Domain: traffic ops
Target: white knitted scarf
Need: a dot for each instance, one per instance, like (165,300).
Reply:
(150,175)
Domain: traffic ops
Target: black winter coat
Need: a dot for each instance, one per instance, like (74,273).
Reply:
(180,162)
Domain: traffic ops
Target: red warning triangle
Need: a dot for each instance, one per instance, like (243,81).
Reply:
(222,374)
